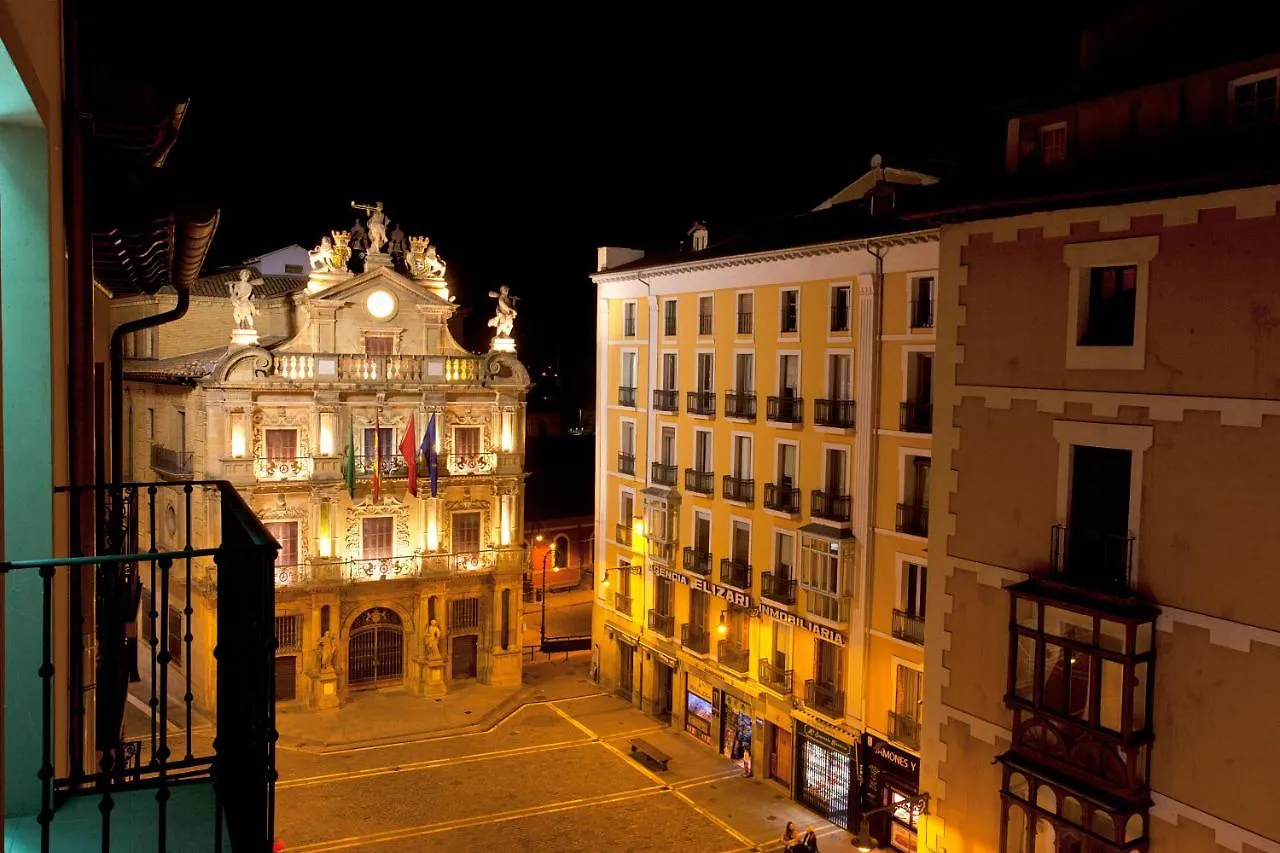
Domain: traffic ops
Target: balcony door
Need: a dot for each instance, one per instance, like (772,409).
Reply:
(837,478)
(669,371)
(920,378)
(741,547)
(377,541)
(706,379)
(742,457)
(840,377)
(780,638)
(908,698)
(466,532)
(827,668)
(788,376)
(384,447)
(668,445)
(629,372)
(744,364)
(702,451)
(698,608)
(786,466)
(911,590)
(916,488)
(1098,513)
(784,553)
(701,533)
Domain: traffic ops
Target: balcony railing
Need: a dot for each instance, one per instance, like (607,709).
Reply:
(824,698)
(839,318)
(331,572)
(737,489)
(662,474)
(734,656)
(622,534)
(662,623)
(701,482)
(175,463)
(622,603)
(904,730)
(283,467)
(627,395)
(913,519)
(701,403)
(785,410)
(779,586)
(829,505)
(1098,559)
(704,324)
(746,321)
(698,562)
(781,498)
(628,327)
(382,568)
(916,417)
(391,466)
(740,404)
(133,770)
(834,413)
(695,638)
(922,313)
(735,573)
(383,369)
(776,679)
(666,399)
(627,463)
(909,627)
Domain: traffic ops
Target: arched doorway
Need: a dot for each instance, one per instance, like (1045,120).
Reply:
(375,653)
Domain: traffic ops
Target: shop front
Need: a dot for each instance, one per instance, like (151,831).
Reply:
(891,775)
(735,726)
(827,775)
(663,683)
(699,711)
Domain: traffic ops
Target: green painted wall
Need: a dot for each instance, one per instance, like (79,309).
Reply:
(26,410)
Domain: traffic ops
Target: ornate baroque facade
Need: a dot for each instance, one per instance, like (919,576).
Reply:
(303,412)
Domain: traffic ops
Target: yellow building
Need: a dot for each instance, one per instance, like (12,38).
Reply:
(763,411)
(323,377)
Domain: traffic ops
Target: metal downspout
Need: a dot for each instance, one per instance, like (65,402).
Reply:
(868,546)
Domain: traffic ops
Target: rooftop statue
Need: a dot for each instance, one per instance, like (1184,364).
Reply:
(322,256)
(243,308)
(378,223)
(505,318)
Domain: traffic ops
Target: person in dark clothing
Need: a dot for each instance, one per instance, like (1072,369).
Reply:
(809,844)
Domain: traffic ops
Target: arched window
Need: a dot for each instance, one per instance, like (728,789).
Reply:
(562,552)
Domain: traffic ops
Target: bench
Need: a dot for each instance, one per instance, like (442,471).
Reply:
(642,747)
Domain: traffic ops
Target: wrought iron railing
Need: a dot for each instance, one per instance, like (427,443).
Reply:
(779,586)
(345,367)
(701,482)
(627,396)
(908,626)
(177,463)
(829,505)
(785,410)
(738,489)
(916,417)
(781,498)
(734,656)
(746,321)
(826,699)
(628,327)
(922,313)
(789,321)
(704,324)
(735,573)
(913,518)
(834,413)
(663,623)
(390,465)
(701,402)
(334,571)
(382,568)
(695,638)
(666,399)
(662,474)
(1092,558)
(698,562)
(740,404)
(904,730)
(622,533)
(627,463)
(775,678)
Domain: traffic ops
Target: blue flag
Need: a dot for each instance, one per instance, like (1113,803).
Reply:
(429,451)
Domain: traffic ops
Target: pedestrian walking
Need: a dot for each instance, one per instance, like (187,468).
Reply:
(790,838)
(809,844)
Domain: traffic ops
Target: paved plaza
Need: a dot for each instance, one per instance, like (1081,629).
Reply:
(551,771)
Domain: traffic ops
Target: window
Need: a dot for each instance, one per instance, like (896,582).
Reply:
(827,663)
(669,317)
(293,269)
(180,421)
(289,633)
(787,464)
(704,315)
(379,344)
(1253,99)
(740,542)
(282,444)
(663,596)
(702,450)
(506,619)
(1098,543)
(744,364)
(1053,143)
(466,440)
(701,532)
(788,376)
(151,424)
(922,295)
(286,533)
(464,613)
(835,476)
(911,589)
(174,638)
(706,378)
(669,374)
(820,579)
(627,508)
(630,361)
(628,319)
(742,457)
(784,552)
(385,446)
(746,313)
(915,488)
(629,438)
(667,445)
(1111,307)
(376,537)
(840,304)
(840,376)
(698,608)
(466,532)
(789,322)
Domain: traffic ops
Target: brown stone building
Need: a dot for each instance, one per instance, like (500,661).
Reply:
(1102,645)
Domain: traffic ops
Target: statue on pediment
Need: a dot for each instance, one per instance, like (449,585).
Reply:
(341,250)
(504,320)
(243,307)
(422,260)
(378,223)
(399,243)
(321,256)
(359,237)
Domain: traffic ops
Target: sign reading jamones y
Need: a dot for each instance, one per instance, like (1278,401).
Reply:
(822,632)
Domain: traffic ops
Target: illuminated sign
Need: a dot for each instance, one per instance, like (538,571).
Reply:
(822,632)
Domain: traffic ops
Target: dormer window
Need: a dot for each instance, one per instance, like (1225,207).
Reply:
(1053,143)
(1253,99)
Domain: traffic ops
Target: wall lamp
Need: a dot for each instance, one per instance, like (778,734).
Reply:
(863,840)
(723,627)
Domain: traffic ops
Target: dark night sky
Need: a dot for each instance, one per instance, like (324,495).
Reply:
(521,143)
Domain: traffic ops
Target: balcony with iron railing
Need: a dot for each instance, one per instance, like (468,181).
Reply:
(830,505)
(775,678)
(916,417)
(782,498)
(622,533)
(629,327)
(704,324)
(697,561)
(662,623)
(913,519)
(839,414)
(922,313)
(662,473)
(779,586)
(172,463)
(100,779)
(908,627)
(695,638)
(390,466)
(733,488)
(626,463)
(380,369)
(785,409)
(1094,559)
(699,482)
(701,403)
(622,603)
(627,396)
(330,571)
(740,405)
(904,730)
(746,322)
(666,400)
(735,573)
(826,699)
(733,656)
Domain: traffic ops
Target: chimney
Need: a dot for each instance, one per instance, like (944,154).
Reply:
(608,257)
(700,235)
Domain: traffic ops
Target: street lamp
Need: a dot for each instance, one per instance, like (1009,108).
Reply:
(863,840)
(542,632)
